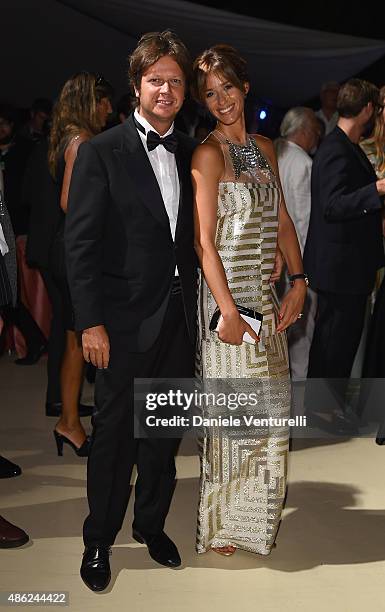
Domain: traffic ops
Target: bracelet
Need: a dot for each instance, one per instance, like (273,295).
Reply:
(294,277)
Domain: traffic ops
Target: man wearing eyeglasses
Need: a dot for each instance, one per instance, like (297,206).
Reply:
(132,271)
(344,246)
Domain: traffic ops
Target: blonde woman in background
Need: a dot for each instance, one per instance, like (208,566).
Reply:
(374,360)
(374,147)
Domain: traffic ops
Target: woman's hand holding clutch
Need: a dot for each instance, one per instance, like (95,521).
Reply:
(232,328)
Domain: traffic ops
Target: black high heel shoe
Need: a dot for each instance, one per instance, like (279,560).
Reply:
(81,452)
(32,357)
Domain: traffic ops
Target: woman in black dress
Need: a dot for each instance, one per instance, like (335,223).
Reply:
(79,114)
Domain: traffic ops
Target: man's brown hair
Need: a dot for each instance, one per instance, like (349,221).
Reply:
(354,95)
(222,60)
(151,48)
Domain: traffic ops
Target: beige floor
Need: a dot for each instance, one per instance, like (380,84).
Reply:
(330,551)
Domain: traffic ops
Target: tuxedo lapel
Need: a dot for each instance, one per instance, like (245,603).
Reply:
(364,160)
(135,160)
(184,174)
(358,152)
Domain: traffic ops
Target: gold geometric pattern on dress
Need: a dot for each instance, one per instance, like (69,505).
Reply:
(243,477)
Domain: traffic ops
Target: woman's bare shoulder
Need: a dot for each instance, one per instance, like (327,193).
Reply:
(208,153)
(262,141)
(74,143)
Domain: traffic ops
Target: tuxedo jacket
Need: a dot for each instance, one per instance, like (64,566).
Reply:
(120,253)
(344,247)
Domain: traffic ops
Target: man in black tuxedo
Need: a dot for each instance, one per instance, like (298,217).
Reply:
(132,273)
(344,243)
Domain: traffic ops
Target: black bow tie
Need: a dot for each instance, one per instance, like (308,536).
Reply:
(169,142)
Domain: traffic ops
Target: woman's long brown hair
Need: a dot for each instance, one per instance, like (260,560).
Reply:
(379,135)
(75,111)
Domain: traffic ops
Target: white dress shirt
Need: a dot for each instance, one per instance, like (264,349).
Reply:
(295,173)
(164,166)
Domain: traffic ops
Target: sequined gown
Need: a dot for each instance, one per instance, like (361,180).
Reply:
(243,471)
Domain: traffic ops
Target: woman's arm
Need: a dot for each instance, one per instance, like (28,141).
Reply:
(292,303)
(279,264)
(69,158)
(206,169)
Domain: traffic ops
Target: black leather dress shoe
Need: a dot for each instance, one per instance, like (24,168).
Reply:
(32,357)
(338,425)
(380,437)
(95,569)
(10,535)
(8,469)
(160,548)
(54,409)
(346,423)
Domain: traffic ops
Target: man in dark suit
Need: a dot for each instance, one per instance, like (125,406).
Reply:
(132,273)
(344,243)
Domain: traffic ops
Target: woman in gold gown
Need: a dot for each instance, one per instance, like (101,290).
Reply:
(241,222)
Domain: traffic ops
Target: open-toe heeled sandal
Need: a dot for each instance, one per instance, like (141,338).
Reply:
(221,550)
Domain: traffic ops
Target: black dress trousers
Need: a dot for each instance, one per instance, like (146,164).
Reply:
(337,333)
(5,285)
(338,328)
(114,451)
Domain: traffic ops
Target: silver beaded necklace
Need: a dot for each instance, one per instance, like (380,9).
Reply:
(247,157)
